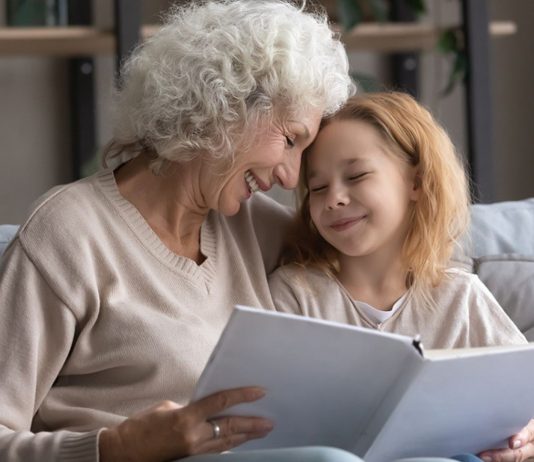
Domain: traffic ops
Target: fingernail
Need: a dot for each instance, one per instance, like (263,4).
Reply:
(267,426)
(486,458)
(257,393)
(516,444)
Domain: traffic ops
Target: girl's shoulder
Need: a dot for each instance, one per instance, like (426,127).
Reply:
(293,273)
(461,284)
(459,275)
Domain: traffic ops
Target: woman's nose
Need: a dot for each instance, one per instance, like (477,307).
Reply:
(287,173)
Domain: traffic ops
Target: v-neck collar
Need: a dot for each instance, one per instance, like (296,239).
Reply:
(202,274)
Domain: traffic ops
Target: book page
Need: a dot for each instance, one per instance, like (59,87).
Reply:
(461,352)
(323,380)
(460,405)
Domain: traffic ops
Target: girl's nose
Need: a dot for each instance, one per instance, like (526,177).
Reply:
(337,197)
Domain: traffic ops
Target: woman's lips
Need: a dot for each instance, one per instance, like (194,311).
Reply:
(345,223)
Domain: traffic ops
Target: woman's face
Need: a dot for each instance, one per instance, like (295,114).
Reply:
(360,192)
(273,158)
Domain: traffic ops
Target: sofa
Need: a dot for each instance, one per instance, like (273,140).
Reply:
(500,246)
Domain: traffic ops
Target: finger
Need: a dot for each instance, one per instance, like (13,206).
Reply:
(524,436)
(228,442)
(235,425)
(218,402)
(508,455)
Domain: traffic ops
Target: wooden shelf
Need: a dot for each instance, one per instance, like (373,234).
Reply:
(392,37)
(55,41)
(81,41)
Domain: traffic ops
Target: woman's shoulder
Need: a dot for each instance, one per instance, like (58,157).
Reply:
(64,213)
(64,200)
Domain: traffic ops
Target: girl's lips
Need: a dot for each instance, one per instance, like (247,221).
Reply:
(345,223)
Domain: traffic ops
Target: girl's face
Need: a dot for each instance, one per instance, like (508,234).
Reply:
(274,158)
(360,194)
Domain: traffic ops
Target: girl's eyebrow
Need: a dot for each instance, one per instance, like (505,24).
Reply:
(345,163)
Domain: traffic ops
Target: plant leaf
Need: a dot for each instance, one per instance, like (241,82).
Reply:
(418,6)
(458,72)
(365,82)
(379,10)
(448,41)
(350,13)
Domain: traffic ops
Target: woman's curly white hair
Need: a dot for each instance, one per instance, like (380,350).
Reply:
(218,68)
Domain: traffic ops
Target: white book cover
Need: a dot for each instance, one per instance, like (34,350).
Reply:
(372,393)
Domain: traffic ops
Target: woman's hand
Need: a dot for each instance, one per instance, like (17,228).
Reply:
(521,447)
(168,431)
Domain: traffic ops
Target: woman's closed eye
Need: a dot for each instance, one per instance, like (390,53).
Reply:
(290,142)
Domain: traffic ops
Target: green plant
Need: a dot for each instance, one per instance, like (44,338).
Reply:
(450,43)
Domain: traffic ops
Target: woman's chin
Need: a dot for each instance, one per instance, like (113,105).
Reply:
(230,209)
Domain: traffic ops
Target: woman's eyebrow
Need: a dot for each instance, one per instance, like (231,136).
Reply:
(306,131)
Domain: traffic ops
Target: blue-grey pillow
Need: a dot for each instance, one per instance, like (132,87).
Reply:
(7,232)
(510,278)
(502,228)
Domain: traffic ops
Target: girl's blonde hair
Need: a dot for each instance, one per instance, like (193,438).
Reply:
(440,215)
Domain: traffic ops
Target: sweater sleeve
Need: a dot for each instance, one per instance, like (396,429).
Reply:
(271,222)
(284,295)
(36,332)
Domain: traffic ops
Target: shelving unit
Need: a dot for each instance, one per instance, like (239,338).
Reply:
(82,42)
(86,40)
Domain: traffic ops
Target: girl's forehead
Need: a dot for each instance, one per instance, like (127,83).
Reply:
(345,139)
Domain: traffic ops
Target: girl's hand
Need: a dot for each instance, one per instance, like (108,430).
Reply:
(168,431)
(521,447)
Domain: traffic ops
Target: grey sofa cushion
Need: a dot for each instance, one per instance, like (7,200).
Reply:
(502,228)
(7,232)
(510,278)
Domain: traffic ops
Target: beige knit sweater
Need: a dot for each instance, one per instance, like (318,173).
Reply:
(99,319)
(466,313)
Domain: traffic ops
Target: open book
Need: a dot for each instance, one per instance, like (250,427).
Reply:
(376,394)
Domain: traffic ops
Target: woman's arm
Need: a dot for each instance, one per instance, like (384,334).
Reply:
(36,333)
(168,431)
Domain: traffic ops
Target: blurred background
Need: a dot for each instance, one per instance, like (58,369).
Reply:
(56,82)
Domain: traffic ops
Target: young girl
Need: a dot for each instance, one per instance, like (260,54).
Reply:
(384,201)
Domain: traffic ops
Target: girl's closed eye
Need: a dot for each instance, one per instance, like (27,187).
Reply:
(357,176)
(317,188)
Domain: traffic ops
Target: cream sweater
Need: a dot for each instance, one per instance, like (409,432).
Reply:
(100,319)
(466,313)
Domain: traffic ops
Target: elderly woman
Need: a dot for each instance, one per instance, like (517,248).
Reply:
(116,289)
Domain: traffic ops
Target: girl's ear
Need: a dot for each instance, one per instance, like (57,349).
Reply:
(416,186)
